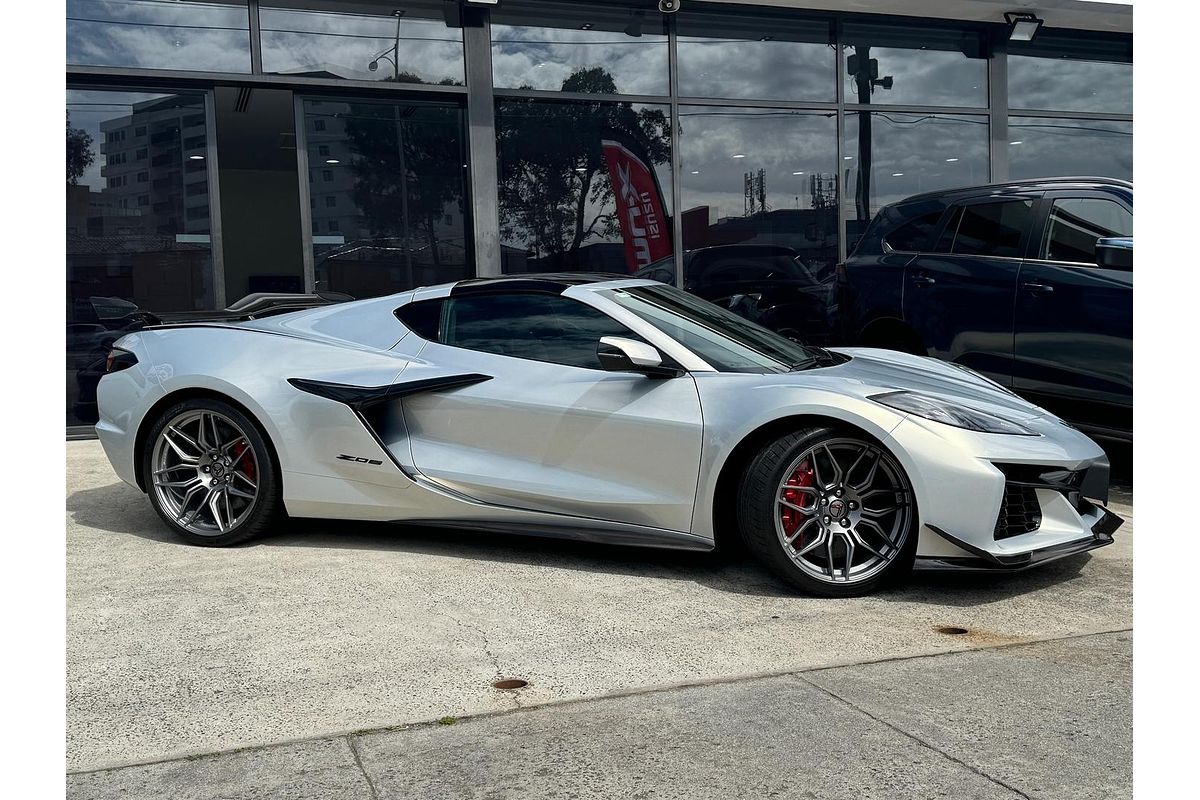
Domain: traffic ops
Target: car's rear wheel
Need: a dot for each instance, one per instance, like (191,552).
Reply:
(210,474)
(830,512)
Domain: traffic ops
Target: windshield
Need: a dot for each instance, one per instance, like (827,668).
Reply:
(726,341)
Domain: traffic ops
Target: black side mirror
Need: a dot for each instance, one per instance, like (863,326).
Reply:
(618,354)
(1115,253)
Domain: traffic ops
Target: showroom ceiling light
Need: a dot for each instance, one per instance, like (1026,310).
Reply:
(196,158)
(1022,25)
(332,161)
(1017,142)
(951,160)
(739,155)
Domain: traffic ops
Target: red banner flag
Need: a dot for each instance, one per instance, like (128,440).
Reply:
(644,225)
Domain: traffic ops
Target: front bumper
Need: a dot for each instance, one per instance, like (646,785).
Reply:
(983,561)
(1000,502)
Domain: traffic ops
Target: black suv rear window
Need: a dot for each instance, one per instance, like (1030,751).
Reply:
(992,229)
(914,235)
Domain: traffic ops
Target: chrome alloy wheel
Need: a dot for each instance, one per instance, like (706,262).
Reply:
(205,472)
(843,510)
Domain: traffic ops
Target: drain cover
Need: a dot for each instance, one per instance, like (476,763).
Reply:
(951,630)
(510,683)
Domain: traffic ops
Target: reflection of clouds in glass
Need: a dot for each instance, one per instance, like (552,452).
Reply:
(924,77)
(775,70)
(1051,147)
(780,142)
(542,58)
(152,33)
(919,147)
(346,44)
(1059,84)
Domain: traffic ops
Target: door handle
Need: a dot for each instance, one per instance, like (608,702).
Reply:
(1038,288)
(924,280)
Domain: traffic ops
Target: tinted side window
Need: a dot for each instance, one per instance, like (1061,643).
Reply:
(993,229)
(913,236)
(1077,222)
(422,318)
(946,240)
(540,327)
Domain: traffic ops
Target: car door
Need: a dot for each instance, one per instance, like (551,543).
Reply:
(551,430)
(959,298)
(1074,319)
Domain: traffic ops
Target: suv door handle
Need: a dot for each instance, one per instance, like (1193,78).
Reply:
(1038,288)
(924,280)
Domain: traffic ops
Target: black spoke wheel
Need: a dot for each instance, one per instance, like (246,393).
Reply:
(209,473)
(832,513)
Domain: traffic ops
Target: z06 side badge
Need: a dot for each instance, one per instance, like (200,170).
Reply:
(359,459)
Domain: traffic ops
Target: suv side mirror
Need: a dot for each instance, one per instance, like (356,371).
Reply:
(618,354)
(1115,253)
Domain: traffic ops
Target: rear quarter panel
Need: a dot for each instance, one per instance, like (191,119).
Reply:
(252,368)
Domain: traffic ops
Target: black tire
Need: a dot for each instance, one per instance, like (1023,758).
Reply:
(757,514)
(256,516)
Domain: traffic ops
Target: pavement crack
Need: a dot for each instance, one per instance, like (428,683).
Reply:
(855,707)
(361,768)
(439,606)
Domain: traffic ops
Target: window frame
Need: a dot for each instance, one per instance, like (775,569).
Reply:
(954,214)
(445,304)
(1042,228)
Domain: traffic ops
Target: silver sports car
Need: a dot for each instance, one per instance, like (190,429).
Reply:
(600,408)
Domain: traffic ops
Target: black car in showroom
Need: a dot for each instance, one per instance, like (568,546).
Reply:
(768,284)
(1029,282)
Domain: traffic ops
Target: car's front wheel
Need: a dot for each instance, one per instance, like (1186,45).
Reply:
(210,474)
(830,512)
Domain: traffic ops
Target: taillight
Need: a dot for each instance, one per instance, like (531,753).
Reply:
(118,360)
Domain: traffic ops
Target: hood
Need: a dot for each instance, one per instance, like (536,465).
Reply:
(879,371)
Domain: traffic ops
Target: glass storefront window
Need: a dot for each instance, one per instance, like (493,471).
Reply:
(918,66)
(1063,84)
(559,47)
(159,34)
(403,42)
(387,196)
(888,156)
(748,56)
(760,231)
(753,177)
(583,185)
(138,234)
(1046,147)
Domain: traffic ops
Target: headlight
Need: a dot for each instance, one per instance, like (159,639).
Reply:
(950,413)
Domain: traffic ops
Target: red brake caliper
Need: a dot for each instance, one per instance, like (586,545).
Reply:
(790,517)
(246,466)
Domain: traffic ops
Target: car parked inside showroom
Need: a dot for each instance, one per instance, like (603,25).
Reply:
(765,283)
(1028,282)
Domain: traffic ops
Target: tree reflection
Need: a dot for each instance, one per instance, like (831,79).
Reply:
(79,152)
(555,196)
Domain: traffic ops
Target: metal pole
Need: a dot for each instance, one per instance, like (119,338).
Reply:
(408,265)
(481,123)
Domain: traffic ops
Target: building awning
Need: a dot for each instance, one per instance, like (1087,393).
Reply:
(1092,15)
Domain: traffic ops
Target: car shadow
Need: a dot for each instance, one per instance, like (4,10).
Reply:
(121,509)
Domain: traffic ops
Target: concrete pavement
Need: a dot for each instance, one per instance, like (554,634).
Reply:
(1046,720)
(332,628)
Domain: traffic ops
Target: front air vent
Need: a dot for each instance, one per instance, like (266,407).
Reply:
(1020,511)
